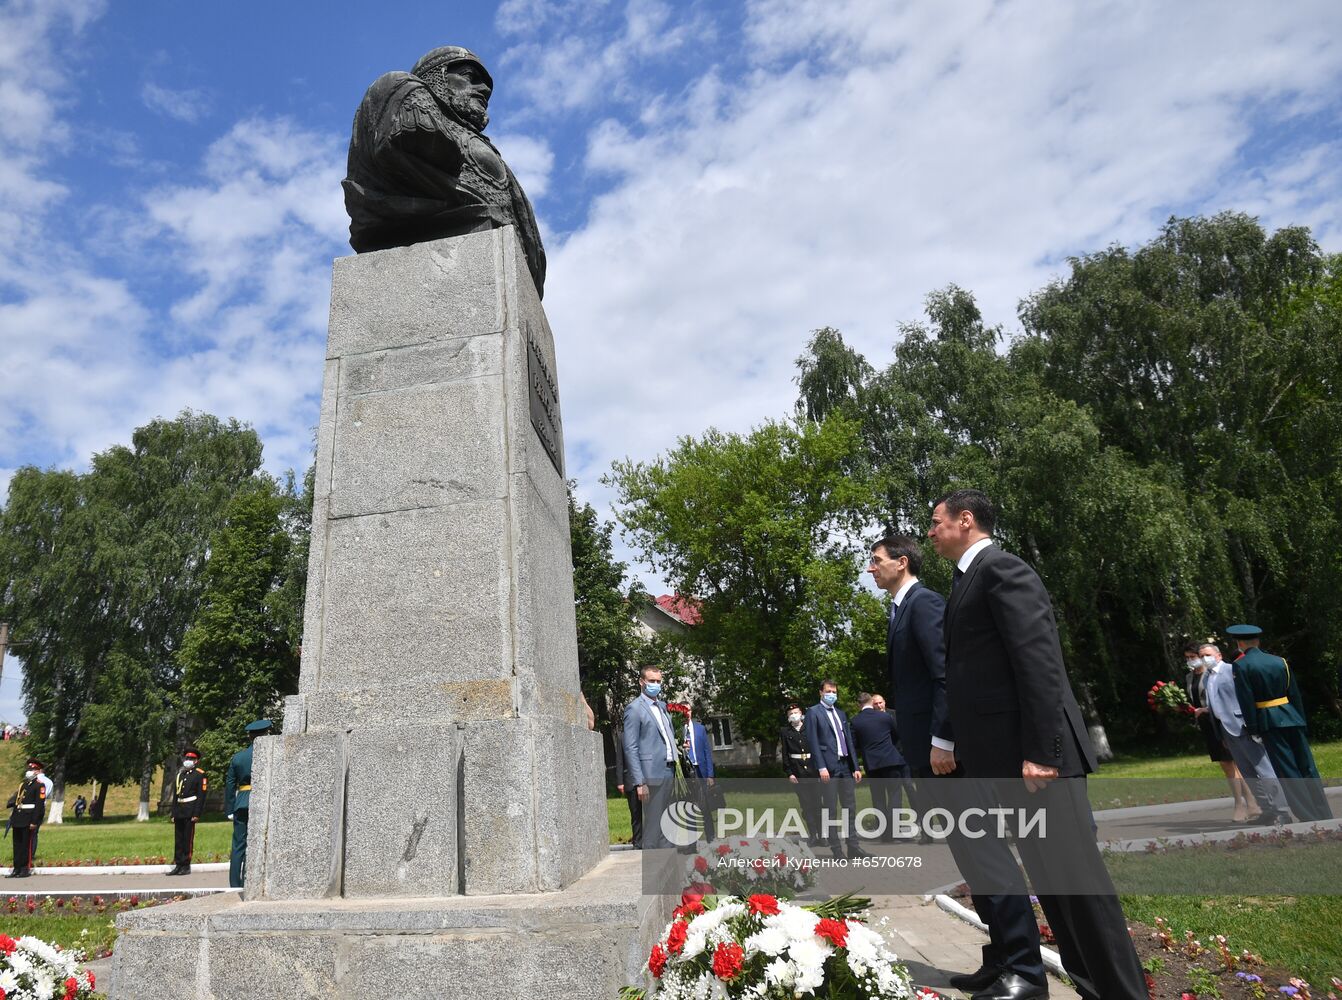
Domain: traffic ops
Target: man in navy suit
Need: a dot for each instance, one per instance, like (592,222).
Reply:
(697,753)
(650,754)
(875,736)
(831,740)
(917,664)
(1017,720)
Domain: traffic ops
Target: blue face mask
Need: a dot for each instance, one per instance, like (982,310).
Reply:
(652,689)
(829,697)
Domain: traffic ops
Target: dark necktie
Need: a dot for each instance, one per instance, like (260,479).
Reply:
(838,730)
(956,577)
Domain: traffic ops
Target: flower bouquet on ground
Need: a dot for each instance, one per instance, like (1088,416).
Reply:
(736,867)
(1168,698)
(768,948)
(31,969)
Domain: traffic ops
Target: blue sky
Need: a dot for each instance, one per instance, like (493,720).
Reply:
(714,181)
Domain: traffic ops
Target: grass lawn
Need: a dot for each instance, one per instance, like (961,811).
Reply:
(1327,756)
(91,933)
(90,842)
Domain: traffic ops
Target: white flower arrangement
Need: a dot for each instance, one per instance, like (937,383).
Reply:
(32,969)
(769,949)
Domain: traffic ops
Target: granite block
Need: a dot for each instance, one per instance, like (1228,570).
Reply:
(417,294)
(267,761)
(152,966)
(424,364)
(303,827)
(408,703)
(274,967)
(401,835)
(499,840)
(422,592)
(427,446)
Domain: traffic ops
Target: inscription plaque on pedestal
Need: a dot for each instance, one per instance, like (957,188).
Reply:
(544,403)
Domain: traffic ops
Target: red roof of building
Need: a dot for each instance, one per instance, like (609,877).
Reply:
(683,609)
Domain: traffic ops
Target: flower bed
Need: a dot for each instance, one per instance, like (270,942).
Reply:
(765,947)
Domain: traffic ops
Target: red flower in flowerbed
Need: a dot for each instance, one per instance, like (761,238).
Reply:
(833,931)
(1046,934)
(727,961)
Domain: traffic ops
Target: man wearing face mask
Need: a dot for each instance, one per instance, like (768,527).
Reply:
(650,753)
(801,773)
(28,805)
(831,739)
(188,803)
(1195,685)
(40,773)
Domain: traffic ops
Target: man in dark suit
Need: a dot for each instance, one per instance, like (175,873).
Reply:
(1015,719)
(917,664)
(831,740)
(698,755)
(876,740)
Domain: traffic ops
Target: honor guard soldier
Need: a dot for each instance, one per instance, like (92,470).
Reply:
(801,772)
(1275,713)
(188,802)
(29,806)
(237,799)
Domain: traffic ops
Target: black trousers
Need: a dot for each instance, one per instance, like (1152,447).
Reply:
(1076,893)
(702,795)
(996,885)
(23,847)
(887,791)
(635,816)
(184,841)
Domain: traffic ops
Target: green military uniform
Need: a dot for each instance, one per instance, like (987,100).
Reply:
(1274,711)
(237,803)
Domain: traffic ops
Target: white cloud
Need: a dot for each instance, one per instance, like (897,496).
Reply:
(181,105)
(531,159)
(877,152)
(11,692)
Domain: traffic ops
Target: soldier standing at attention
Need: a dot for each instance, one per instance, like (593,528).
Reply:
(237,798)
(188,802)
(29,805)
(1274,712)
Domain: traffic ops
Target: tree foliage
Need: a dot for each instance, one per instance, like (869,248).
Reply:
(103,573)
(764,529)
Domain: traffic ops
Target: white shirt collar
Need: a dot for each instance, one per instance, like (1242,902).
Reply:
(903,591)
(967,559)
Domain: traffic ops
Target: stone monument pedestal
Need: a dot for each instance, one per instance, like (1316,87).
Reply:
(434,812)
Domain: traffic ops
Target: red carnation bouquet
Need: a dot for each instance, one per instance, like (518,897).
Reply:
(1168,698)
(763,946)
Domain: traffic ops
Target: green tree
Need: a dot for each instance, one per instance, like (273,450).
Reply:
(764,530)
(111,564)
(240,656)
(608,637)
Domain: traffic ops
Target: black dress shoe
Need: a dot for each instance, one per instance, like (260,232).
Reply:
(177,870)
(971,981)
(1009,986)
(26,873)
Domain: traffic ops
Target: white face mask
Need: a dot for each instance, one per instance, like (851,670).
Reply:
(29,775)
(1192,664)
(1209,661)
(795,720)
(188,764)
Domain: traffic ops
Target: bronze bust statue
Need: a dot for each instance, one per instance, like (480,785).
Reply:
(420,167)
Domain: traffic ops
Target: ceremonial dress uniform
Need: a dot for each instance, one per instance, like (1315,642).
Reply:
(1274,711)
(799,763)
(28,805)
(237,802)
(188,803)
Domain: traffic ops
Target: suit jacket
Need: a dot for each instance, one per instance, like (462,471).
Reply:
(644,749)
(1006,685)
(916,657)
(1261,678)
(874,738)
(703,752)
(1219,687)
(820,735)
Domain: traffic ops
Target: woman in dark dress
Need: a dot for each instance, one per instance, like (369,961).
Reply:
(1246,809)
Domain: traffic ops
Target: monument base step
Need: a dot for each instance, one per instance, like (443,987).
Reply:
(585,941)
